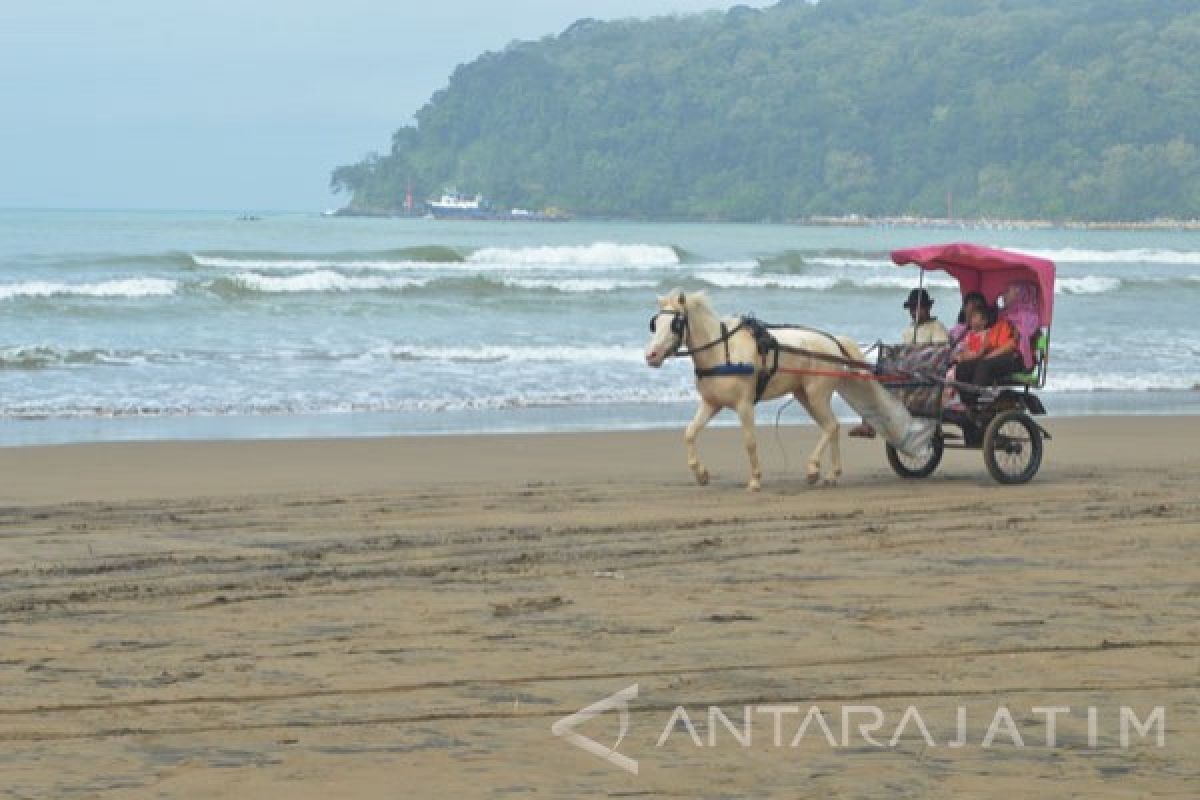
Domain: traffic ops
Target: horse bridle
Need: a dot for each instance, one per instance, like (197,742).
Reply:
(679,326)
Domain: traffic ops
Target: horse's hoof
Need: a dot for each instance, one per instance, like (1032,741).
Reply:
(702,477)
(812,477)
(753,486)
(830,483)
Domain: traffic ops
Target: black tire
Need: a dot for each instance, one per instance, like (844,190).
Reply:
(1012,447)
(920,467)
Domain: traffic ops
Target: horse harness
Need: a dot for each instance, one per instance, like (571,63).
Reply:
(768,347)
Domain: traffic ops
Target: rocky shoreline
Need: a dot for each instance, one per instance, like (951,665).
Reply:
(901,221)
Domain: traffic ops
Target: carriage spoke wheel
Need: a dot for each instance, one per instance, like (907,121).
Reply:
(920,466)
(1012,447)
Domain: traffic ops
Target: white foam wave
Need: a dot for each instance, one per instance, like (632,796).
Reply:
(1089,284)
(514,353)
(131,287)
(322,281)
(597,257)
(830,261)
(577,284)
(300,404)
(817,283)
(581,396)
(732,280)
(1115,382)
(598,254)
(1072,255)
(294,264)
(901,281)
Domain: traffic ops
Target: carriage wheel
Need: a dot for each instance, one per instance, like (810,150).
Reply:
(1012,447)
(920,466)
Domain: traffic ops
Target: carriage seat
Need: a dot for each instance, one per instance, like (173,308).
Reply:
(1032,378)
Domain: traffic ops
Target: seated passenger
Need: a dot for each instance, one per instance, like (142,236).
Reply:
(989,352)
(970,299)
(957,334)
(1021,311)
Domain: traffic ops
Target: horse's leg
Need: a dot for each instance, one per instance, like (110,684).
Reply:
(745,412)
(814,462)
(703,414)
(821,407)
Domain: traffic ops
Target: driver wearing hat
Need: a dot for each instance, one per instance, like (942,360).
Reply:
(923,330)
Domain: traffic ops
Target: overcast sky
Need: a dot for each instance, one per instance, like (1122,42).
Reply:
(225,104)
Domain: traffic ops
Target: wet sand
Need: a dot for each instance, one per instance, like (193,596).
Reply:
(407,617)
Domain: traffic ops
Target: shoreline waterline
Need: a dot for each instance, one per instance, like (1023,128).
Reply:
(517,421)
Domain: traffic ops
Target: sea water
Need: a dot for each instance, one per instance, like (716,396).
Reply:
(119,325)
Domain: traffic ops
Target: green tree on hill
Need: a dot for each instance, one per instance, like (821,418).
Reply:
(1081,110)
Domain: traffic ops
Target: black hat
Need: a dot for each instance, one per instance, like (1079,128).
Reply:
(918,296)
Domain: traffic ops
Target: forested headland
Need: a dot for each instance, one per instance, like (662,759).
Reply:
(1084,110)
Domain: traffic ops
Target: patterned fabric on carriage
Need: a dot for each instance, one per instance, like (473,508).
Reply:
(915,374)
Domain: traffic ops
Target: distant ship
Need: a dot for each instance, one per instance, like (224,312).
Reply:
(452,205)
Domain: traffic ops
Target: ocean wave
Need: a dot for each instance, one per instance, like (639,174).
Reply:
(581,395)
(336,282)
(597,254)
(479,282)
(128,287)
(1071,255)
(491,354)
(1118,382)
(824,281)
(1090,284)
(855,263)
(303,264)
(321,281)
(299,404)
(817,282)
(576,285)
(401,258)
(48,356)
(171,258)
(593,258)
(734,280)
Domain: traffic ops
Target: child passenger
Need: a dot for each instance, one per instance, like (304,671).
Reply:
(987,352)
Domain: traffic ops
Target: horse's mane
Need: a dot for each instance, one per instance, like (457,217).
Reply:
(698,301)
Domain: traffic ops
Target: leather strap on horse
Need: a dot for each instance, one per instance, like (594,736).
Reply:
(728,368)
(722,339)
(852,363)
(766,373)
(769,349)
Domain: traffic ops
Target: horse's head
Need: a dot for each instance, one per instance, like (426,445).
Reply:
(668,328)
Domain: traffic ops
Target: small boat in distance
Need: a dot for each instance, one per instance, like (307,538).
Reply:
(452,205)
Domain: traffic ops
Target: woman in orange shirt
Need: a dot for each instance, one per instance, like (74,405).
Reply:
(988,351)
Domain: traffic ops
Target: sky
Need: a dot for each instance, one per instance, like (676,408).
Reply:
(235,104)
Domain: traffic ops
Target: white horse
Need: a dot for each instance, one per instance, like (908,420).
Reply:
(688,320)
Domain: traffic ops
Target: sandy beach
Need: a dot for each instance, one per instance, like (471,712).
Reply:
(407,617)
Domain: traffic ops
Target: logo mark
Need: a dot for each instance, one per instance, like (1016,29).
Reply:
(565,728)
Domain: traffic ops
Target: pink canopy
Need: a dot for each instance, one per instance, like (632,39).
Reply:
(986,270)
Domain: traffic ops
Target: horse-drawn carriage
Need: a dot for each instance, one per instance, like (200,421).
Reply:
(999,419)
(741,361)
